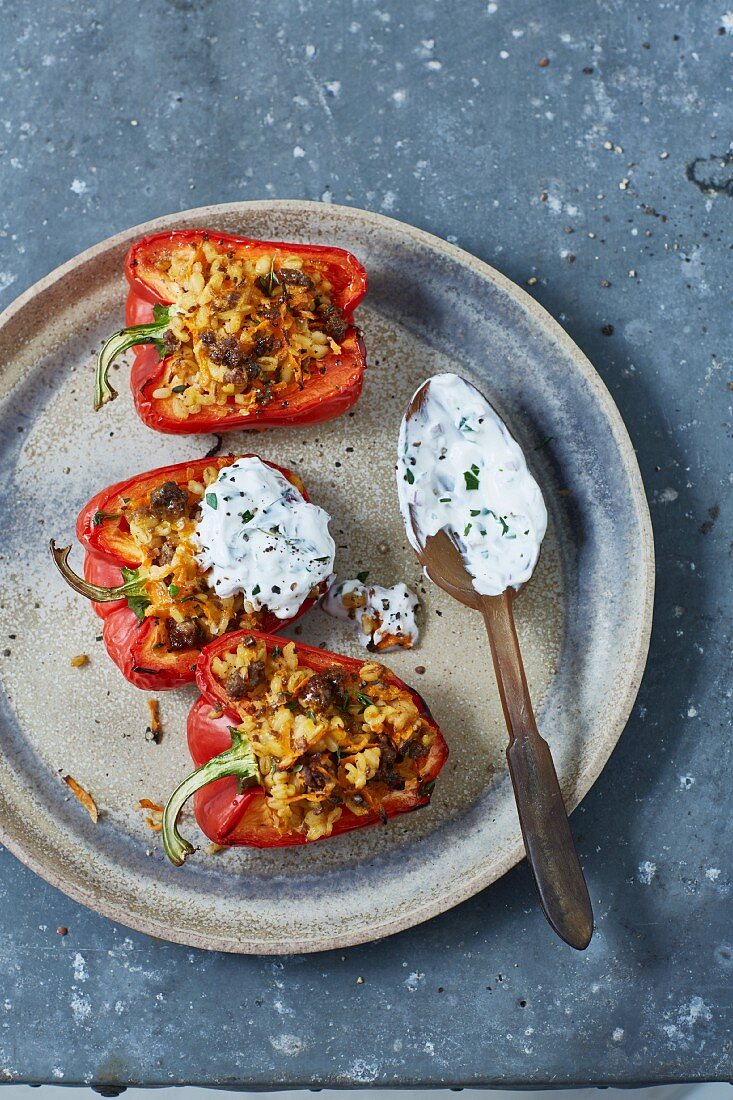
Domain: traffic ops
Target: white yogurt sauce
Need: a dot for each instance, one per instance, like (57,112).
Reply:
(459,469)
(258,536)
(383,618)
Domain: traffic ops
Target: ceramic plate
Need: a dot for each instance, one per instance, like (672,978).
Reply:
(584,620)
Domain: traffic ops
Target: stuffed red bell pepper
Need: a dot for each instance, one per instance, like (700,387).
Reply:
(186,553)
(293,744)
(231,332)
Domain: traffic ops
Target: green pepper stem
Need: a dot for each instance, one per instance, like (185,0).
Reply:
(239,760)
(126,338)
(96,592)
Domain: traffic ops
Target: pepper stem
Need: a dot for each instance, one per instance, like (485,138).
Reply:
(239,760)
(96,592)
(126,338)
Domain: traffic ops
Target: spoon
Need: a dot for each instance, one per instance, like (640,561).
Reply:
(548,842)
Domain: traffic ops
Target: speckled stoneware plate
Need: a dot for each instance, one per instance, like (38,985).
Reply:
(584,620)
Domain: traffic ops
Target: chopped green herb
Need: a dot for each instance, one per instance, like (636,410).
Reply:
(212,501)
(267,283)
(445,500)
(256,590)
(178,389)
(327,558)
(470,478)
(309,714)
(362,576)
(475,511)
(409,476)
(99,517)
(247,516)
(426,789)
(364,700)
(467,528)
(173,590)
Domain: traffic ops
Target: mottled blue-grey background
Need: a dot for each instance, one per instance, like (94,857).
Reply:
(580,146)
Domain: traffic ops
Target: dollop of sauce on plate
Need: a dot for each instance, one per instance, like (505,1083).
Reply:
(383,618)
(459,469)
(258,536)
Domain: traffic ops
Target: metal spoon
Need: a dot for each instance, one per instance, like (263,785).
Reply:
(548,842)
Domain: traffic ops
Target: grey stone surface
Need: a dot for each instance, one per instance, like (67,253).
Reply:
(614,153)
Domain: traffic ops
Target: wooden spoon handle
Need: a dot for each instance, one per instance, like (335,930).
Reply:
(548,841)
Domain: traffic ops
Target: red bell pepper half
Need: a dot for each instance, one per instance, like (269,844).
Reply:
(229,803)
(331,387)
(138,643)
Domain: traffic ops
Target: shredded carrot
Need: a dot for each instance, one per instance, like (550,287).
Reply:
(156,826)
(146,804)
(154,709)
(83,796)
(80,660)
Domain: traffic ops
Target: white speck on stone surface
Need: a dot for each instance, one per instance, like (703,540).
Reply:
(492,8)
(668,495)
(80,968)
(363,1071)
(333,87)
(413,979)
(298,151)
(694,1012)
(712,873)
(310,51)
(646,872)
(692,712)
(726,20)
(503,54)
(81,1007)
(686,781)
(6,280)
(399,96)
(79,187)
(617,1034)
(388,200)
(287,1044)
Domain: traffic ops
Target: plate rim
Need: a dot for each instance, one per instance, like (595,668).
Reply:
(479,880)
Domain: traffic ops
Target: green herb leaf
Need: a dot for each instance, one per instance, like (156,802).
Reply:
(364,700)
(267,283)
(179,389)
(99,517)
(409,476)
(247,516)
(444,500)
(136,596)
(470,478)
(426,789)
(467,528)
(212,501)
(475,511)
(173,590)
(361,577)
(256,590)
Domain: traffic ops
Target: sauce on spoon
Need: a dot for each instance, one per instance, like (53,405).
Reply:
(460,470)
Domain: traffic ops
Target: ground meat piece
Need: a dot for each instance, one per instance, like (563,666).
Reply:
(295,278)
(185,635)
(333,322)
(265,345)
(388,757)
(232,298)
(208,338)
(169,501)
(241,681)
(243,375)
(264,395)
(170,343)
(313,779)
(415,749)
(324,690)
(165,554)
(227,352)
